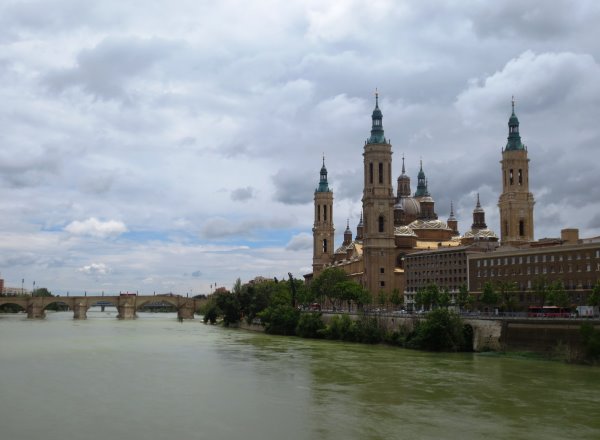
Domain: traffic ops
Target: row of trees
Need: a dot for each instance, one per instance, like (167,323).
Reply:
(268,300)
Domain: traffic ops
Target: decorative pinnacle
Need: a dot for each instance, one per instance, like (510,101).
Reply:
(451,209)
(403,170)
(376,98)
(478,204)
(513,104)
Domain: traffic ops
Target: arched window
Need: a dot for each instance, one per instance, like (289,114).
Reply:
(371,172)
(381,223)
(511,176)
(521,228)
(520,177)
(325,246)
(380,172)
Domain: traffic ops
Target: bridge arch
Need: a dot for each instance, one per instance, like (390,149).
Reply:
(172,300)
(8,301)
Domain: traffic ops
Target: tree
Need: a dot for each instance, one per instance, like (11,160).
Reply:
(237,287)
(381,298)
(540,288)
(42,291)
(506,294)
(211,312)
(557,295)
(593,299)
(489,297)
(350,291)
(324,285)
(229,305)
(464,298)
(444,299)
(396,298)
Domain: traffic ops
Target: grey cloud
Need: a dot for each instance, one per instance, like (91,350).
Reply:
(294,187)
(29,169)
(531,18)
(196,274)
(594,222)
(104,70)
(242,194)
(300,242)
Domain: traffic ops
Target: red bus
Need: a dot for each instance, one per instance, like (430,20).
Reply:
(548,312)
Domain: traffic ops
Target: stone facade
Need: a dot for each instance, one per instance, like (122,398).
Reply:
(575,263)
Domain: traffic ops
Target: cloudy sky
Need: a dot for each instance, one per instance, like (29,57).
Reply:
(159,145)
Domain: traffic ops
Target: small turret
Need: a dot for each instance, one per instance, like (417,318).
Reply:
(452,221)
(360,228)
(347,234)
(478,216)
(403,184)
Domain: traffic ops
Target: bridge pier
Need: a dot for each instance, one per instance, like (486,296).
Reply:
(185,312)
(35,311)
(126,311)
(80,311)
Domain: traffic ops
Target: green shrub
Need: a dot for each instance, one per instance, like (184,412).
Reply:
(368,331)
(310,325)
(280,319)
(442,330)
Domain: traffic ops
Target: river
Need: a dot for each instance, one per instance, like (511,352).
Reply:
(156,378)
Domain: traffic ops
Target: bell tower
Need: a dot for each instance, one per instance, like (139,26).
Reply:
(378,209)
(516,202)
(323,231)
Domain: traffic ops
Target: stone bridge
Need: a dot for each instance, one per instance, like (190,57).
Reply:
(126,305)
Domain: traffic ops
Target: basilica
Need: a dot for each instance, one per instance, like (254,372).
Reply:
(396,224)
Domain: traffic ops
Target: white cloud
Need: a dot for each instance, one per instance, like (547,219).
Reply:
(96,228)
(95,269)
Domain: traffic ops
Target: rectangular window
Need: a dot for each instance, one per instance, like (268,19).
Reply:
(382,284)
(380,172)
(381,270)
(371,172)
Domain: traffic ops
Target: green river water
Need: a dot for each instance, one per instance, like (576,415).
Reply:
(157,378)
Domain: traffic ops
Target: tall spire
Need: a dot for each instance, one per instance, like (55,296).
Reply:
(514,138)
(452,217)
(323,185)
(421,183)
(403,170)
(377,135)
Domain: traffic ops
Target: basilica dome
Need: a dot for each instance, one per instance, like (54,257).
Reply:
(409,205)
